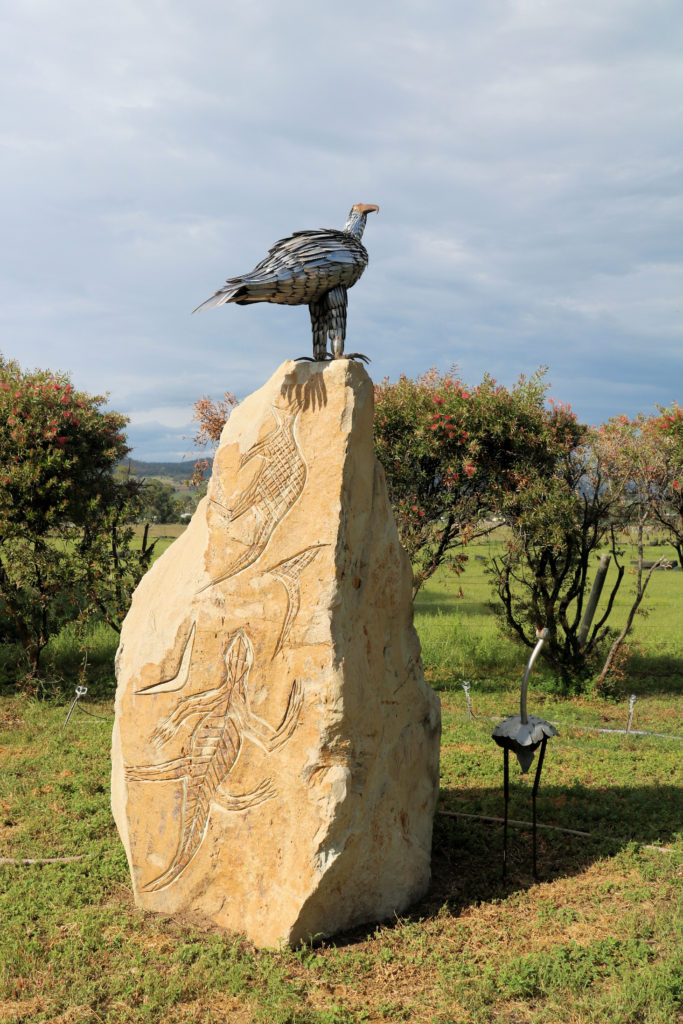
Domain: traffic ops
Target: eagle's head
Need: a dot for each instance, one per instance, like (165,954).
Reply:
(355,223)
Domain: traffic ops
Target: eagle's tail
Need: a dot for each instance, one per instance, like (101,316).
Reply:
(232,291)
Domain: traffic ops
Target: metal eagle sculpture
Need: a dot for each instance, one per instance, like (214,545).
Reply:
(313,268)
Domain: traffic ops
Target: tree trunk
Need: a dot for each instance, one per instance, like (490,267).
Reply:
(641,587)
(598,584)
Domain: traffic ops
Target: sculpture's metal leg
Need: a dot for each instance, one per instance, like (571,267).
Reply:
(534,791)
(336,319)
(328,316)
(506,791)
(318,311)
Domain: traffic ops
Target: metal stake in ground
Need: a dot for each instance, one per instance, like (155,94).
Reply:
(523,734)
(80,692)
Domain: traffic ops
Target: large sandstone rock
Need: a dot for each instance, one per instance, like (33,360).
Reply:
(276,748)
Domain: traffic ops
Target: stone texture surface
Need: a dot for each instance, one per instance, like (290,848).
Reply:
(276,748)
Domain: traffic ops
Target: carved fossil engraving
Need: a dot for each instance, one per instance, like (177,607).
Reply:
(273,491)
(288,572)
(224,718)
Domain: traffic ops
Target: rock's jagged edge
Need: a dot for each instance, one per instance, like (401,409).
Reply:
(348,839)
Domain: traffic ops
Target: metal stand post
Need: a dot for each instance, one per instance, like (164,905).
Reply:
(506,789)
(466,688)
(534,791)
(631,705)
(80,692)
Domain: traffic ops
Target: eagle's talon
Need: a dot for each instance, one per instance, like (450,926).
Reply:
(355,355)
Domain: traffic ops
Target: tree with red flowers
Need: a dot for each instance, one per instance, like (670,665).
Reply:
(64,536)
(451,453)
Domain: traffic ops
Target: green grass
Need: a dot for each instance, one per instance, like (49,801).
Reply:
(597,941)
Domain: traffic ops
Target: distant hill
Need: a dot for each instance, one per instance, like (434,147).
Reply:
(176,473)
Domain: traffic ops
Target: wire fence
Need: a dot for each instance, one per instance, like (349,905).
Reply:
(627,731)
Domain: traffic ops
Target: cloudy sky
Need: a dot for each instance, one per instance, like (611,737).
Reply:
(526,156)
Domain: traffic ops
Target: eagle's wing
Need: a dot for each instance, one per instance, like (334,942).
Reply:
(297,270)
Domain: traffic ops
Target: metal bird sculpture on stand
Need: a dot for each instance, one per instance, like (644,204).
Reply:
(523,734)
(313,268)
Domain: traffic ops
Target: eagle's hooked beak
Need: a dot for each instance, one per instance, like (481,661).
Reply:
(366,208)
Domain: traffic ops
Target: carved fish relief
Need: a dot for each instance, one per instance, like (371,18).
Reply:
(224,719)
(276,487)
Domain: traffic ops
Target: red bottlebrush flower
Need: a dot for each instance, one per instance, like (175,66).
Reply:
(469,469)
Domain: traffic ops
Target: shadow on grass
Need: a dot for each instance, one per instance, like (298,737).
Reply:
(467,854)
(502,666)
(654,674)
(70,657)
(441,604)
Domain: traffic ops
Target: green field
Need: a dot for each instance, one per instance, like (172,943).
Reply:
(597,940)
(461,639)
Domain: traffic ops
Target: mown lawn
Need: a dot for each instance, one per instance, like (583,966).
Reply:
(597,939)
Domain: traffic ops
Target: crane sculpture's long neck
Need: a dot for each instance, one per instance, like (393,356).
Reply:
(542,636)
(355,224)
